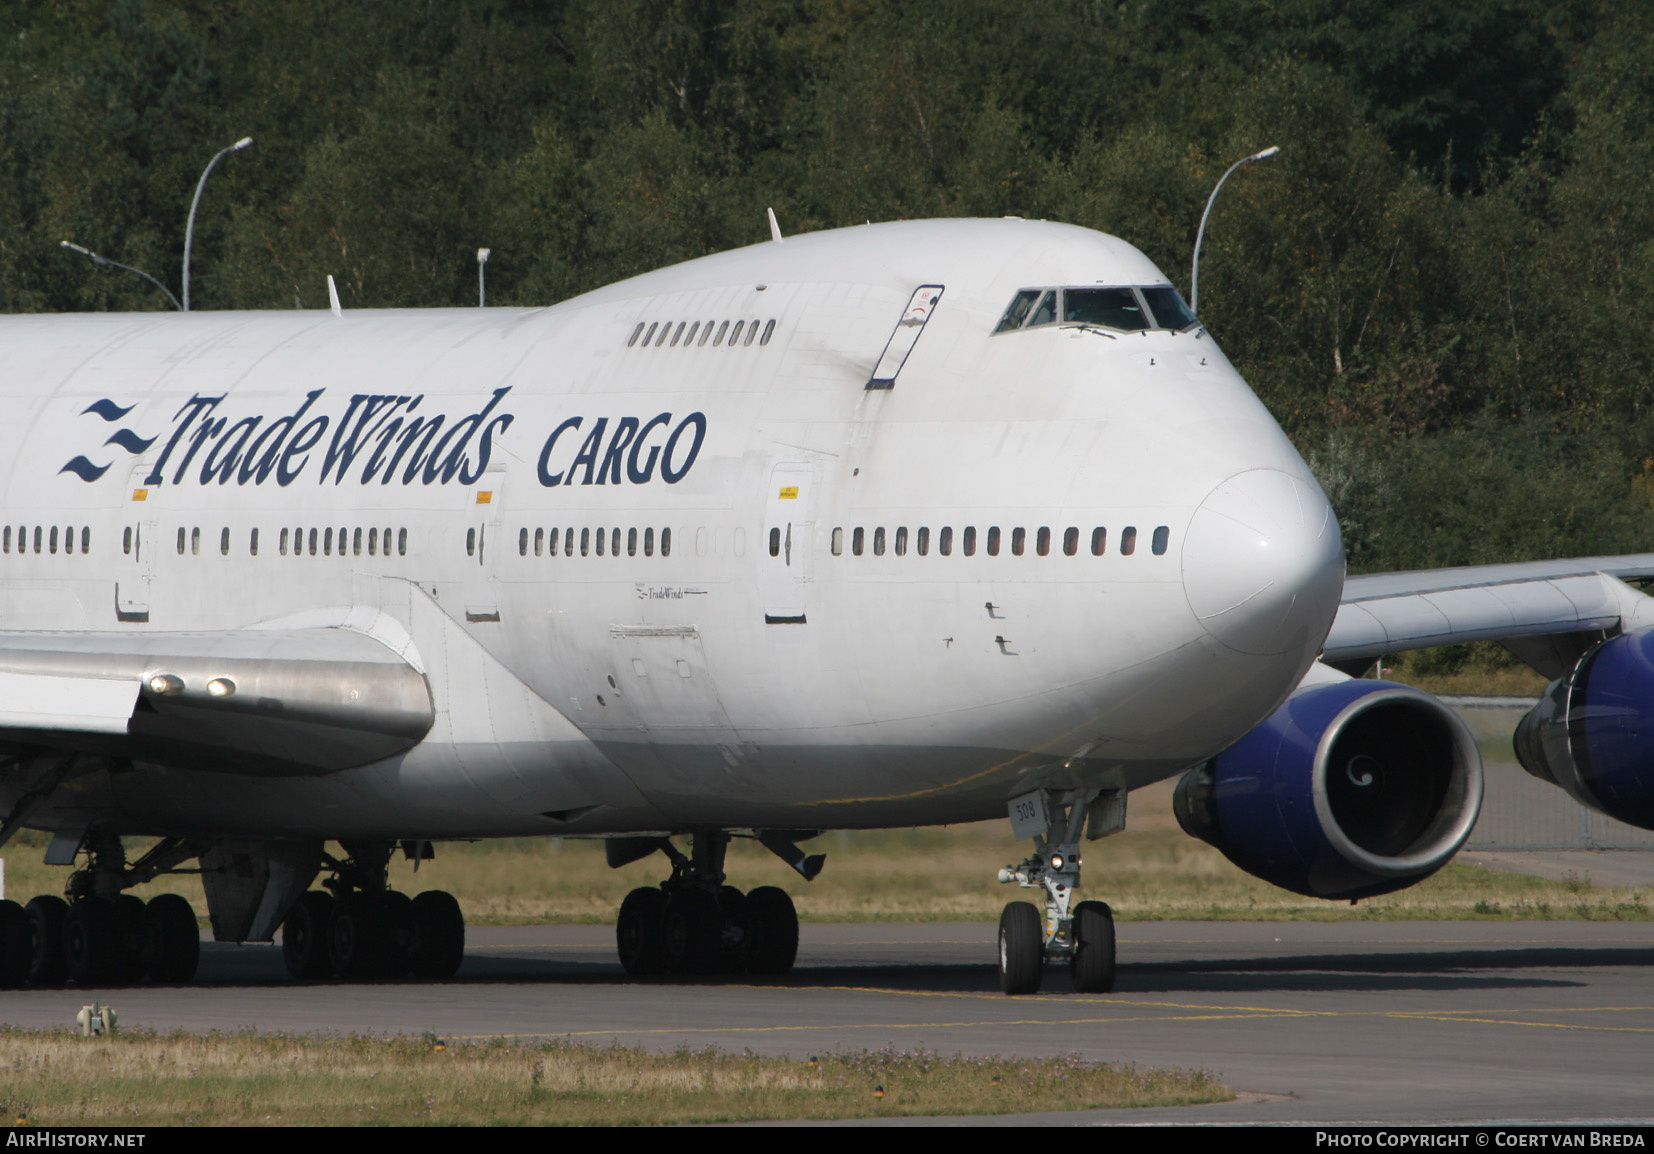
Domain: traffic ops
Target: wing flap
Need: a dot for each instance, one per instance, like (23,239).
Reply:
(83,704)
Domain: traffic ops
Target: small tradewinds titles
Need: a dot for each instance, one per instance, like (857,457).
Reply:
(83,468)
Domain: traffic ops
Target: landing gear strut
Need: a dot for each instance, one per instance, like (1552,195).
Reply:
(693,924)
(359,928)
(1080,934)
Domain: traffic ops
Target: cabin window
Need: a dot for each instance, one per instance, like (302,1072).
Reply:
(539,541)
(252,543)
(878,541)
(355,542)
(327,542)
(1019,540)
(856,540)
(224,541)
(470,542)
(195,539)
(1128,540)
(69,539)
(666,542)
(373,542)
(1099,541)
(648,336)
(1168,308)
(968,545)
(602,540)
(775,542)
(769,330)
(180,541)
(401,542)
(52,546)
(1162,538)
(86,539)
(6,535)
(522,542)
(1042,542)
(585,542)
(752,331)
(631,542)
(665,331)
(648,542)
(838,541)
(735,333)
(901,541)
(689,337)
(313,538)
(944,541)
(705,333)
(923,542)
(1070,541)
(1018,310)
(719,339)
(677,335)
(126,540)
(568,542)
(632,340)
(993,540)
(283,543)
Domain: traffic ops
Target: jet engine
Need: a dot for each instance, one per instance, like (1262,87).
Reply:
(1593,731)
(1350,789)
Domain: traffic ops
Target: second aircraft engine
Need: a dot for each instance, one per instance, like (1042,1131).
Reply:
(1349,789)
(1593,731)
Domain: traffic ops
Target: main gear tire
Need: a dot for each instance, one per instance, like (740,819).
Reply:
(1021,949)
(439,936)
(772,922)
(357,937)
(693,932)
(47,966)
(92,942)
(304,936)
(172,939)
(640,932)
(16,945)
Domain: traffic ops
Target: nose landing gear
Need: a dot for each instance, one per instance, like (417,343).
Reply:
(1080,934)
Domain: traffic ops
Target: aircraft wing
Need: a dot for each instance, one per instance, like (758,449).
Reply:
(1547,612)
(269,702)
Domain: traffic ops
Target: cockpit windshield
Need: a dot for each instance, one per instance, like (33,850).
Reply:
(1128,309)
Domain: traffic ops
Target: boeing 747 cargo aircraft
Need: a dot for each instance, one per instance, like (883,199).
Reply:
(904,524)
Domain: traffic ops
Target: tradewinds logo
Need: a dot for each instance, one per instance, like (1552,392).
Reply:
(125,438)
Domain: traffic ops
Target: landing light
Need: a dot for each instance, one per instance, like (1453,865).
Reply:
(166,684)
(220,687)
(1056,861)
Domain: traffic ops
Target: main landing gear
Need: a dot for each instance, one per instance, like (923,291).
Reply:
(1081,935)
(358,928)
(694,924)
(101,936)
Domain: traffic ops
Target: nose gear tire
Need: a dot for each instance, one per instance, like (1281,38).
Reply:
(1092,966)
(1021,949)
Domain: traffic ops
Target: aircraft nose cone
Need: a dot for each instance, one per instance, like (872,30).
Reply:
(1263,563)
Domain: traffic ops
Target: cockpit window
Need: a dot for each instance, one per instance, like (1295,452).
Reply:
(1045,312)
(1117,308)
(1168,308)
(1017,313)
(1127,309)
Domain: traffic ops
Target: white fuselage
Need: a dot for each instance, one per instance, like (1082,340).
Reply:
(718,683)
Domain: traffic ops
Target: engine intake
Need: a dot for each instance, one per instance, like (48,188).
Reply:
(1348,790)
(1593,731)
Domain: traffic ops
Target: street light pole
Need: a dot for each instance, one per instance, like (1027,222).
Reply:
(189,227)
(1194,273)
(482,287)
(102,261)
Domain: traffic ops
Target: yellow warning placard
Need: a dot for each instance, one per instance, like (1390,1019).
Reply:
(789,493)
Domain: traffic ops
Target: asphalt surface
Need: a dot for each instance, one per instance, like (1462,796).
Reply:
(1398,1021)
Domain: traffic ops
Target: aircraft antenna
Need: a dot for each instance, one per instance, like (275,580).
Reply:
(775,229)
(333,297)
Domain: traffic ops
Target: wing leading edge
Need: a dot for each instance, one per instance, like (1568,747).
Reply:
(1547,612)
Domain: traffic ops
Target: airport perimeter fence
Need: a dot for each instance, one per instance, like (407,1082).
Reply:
(1520,812)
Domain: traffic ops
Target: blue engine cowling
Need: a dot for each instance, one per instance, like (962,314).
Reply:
(1350,789)
(1593,731)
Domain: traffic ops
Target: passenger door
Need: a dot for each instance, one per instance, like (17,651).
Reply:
(784,546)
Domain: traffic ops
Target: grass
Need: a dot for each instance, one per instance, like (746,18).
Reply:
(1151,872)
(149,1079)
